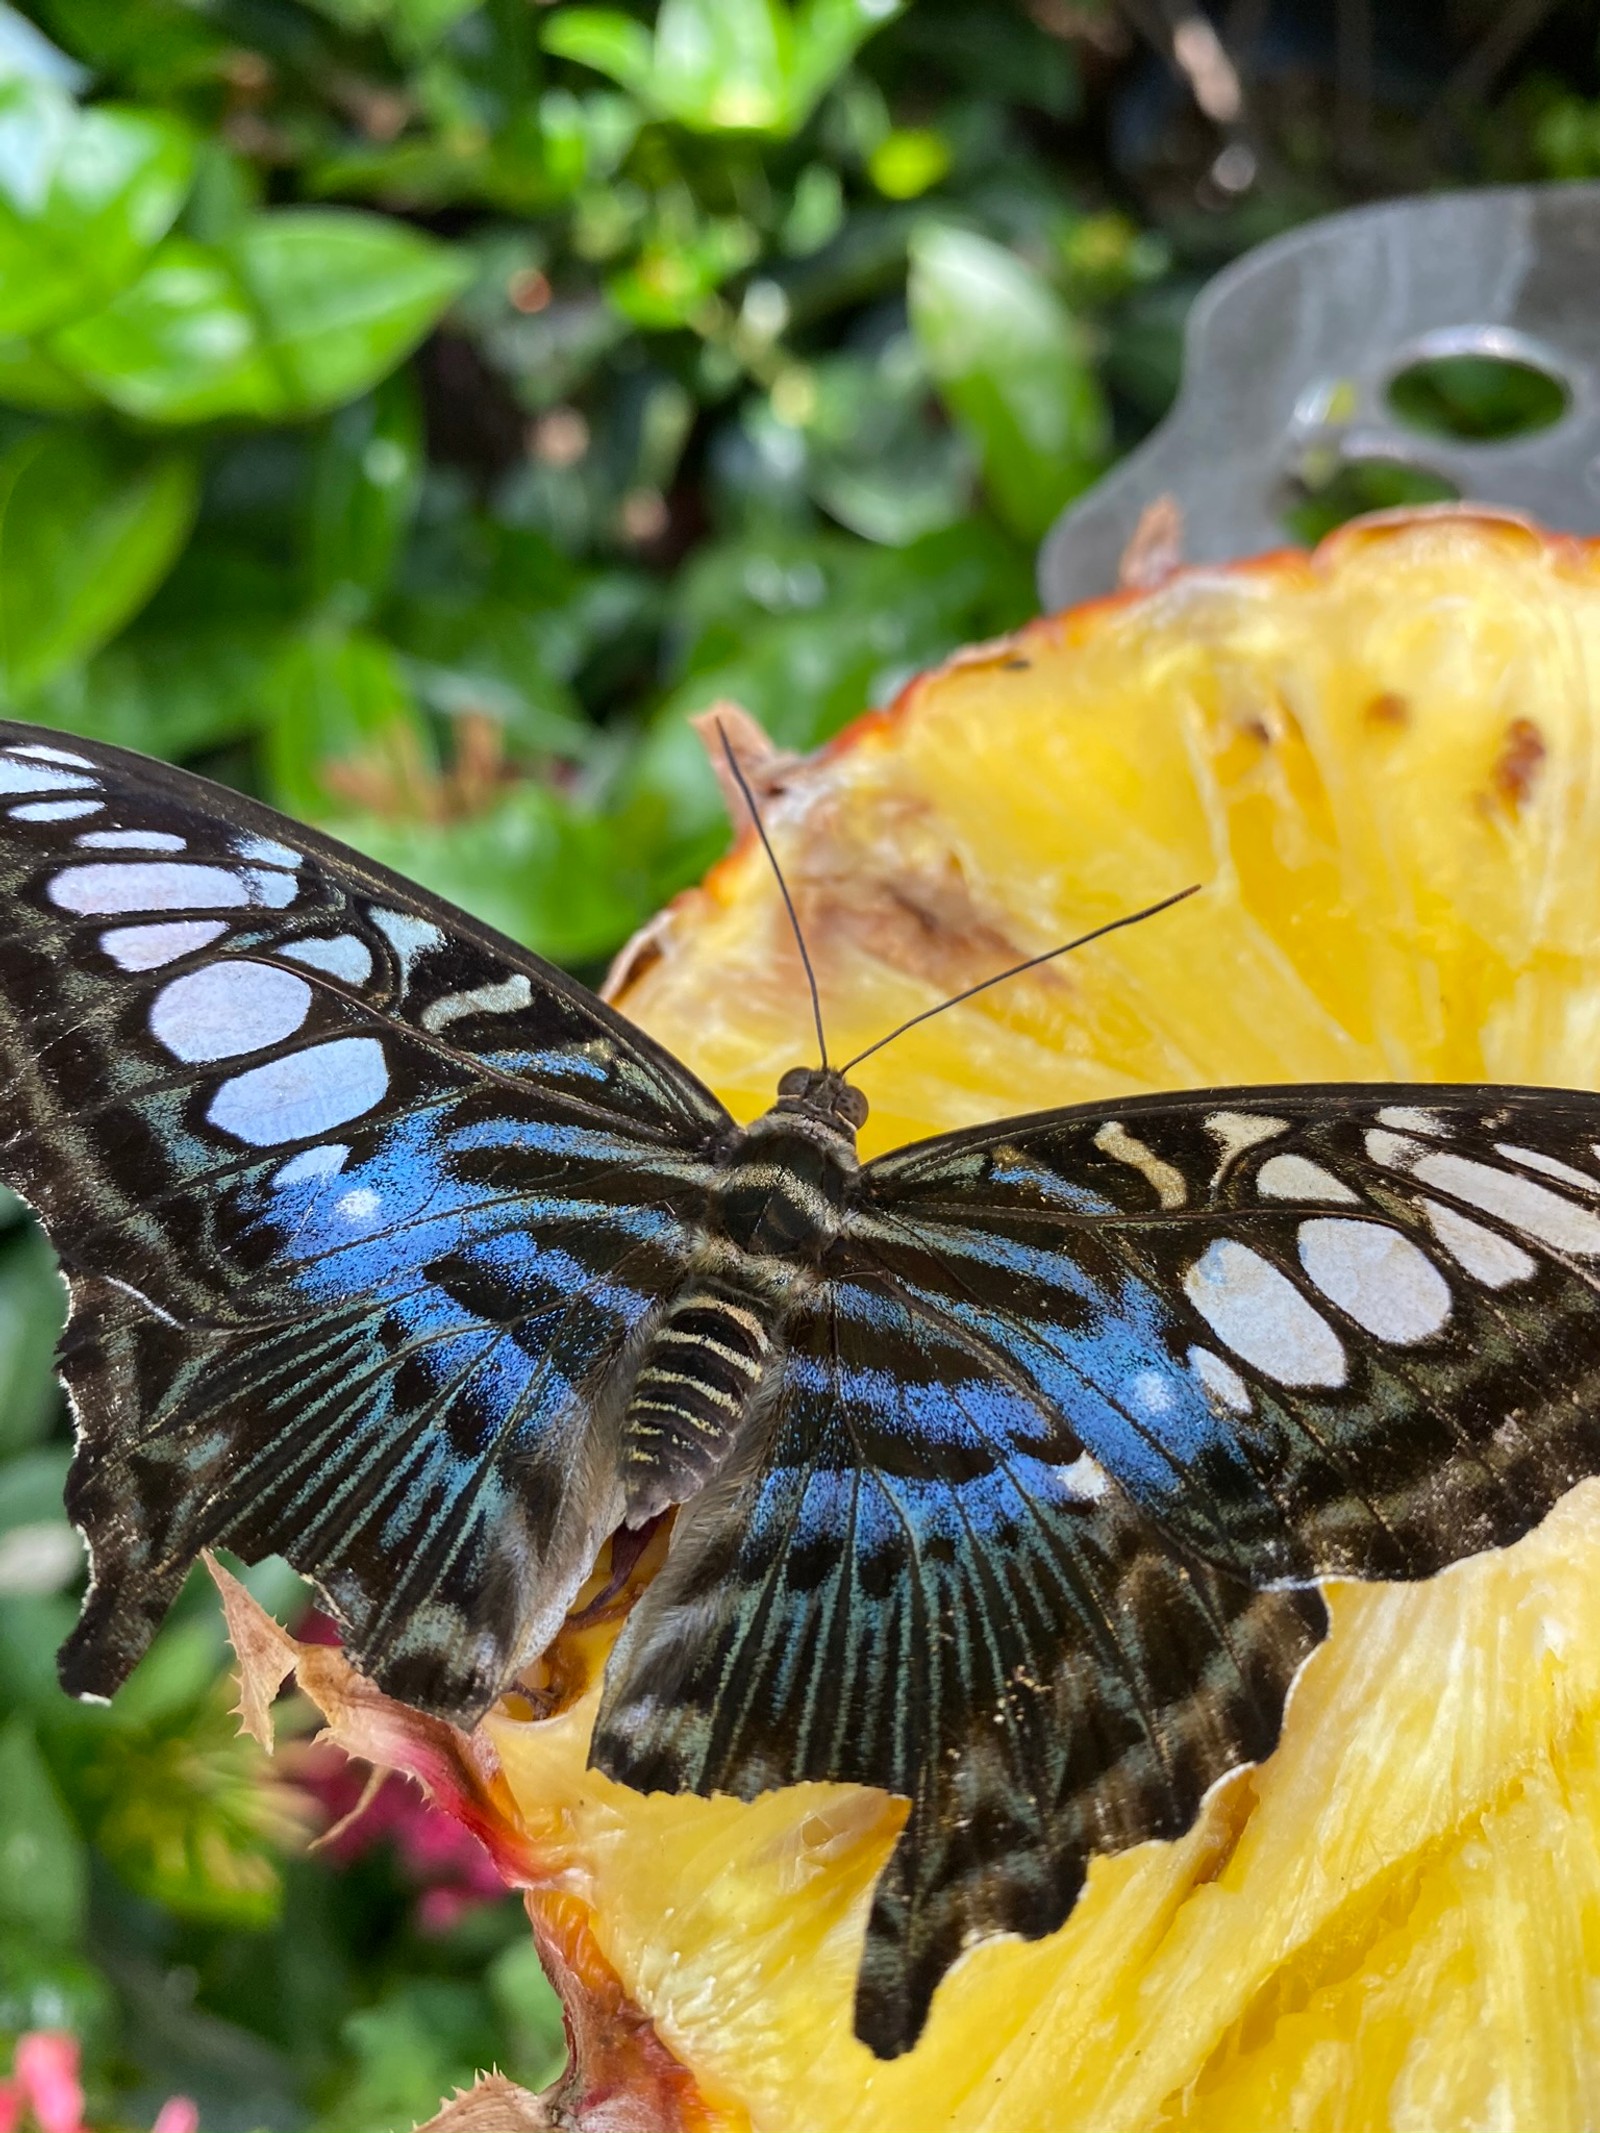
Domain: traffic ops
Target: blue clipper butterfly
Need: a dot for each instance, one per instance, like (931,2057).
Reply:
(1005,1464)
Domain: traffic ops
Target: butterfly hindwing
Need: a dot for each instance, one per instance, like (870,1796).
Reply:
(362,1208)
(899,1591)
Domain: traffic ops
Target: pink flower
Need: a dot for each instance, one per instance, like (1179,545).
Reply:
(177,2115)
(447,1866)
(45,2094)
(46,2070)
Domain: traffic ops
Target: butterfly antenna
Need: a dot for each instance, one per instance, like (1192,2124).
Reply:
(743,784)
(1132,918)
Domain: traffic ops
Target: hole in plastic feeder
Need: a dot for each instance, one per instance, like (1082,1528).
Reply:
(1477,396)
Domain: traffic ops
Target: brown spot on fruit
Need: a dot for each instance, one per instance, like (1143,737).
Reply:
(1517,768)
(1389,708)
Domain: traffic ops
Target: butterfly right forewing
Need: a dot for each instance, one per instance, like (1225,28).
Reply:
(1314,1331)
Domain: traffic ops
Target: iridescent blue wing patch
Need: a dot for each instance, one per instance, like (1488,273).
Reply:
(364,1211)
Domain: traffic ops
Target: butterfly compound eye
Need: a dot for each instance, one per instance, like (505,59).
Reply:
(850,1105)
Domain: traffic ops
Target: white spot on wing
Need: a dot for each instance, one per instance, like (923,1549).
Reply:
(268,852)
(17,776)
(50,755)
(1534,1209)
(324,1162)
(408,936)
(1379,1277)
(227,1008)
(1487,1257)
(504,998)
(1085,1479)
(157,885)
(1259,1313)
(1115,1140)
(1393,1150)
(131,840)
(362,1205)
(1221,1380)
(148,947)
(1531,1159)
(1235,1131)
(1295,1177)
(304,1094)
(55,810)
(344,956)
(1409,1119)
(272,887)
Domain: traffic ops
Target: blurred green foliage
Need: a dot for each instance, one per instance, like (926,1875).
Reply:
(409,411)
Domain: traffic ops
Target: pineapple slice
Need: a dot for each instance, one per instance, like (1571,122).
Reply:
(1382,761)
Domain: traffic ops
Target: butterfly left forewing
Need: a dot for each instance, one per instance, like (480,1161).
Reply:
(361,1206)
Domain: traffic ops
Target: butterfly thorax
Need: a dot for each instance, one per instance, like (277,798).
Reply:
(776,1203)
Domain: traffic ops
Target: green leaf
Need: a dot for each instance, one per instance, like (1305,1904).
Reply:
(84,195)
(676,271)
(723,66)
(32,1310)
(39,1551)
(345,727)
(298,311)
(183,344)
(535,864)
(426,2037)
(89,526)
(27,54)
(827,36)
(32,379)
(365,484)
(180,1803)
(1007,357)
(806,634)
(612,44)
(43,1871)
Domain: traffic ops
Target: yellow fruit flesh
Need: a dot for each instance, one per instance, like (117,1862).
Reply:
(1383,763)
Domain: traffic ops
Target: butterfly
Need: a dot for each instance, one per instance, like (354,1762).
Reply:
(1004,1466)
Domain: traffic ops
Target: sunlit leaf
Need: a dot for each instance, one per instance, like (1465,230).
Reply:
(31,378)
(1010,365)
(89,526)
(723,66)
(84,195)
(299,310)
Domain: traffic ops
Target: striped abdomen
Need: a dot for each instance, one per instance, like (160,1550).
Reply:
(690,1395)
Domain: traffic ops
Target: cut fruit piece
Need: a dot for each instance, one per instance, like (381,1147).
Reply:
(1382,762)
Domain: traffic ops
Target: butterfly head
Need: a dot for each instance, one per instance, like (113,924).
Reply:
(823,1094)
